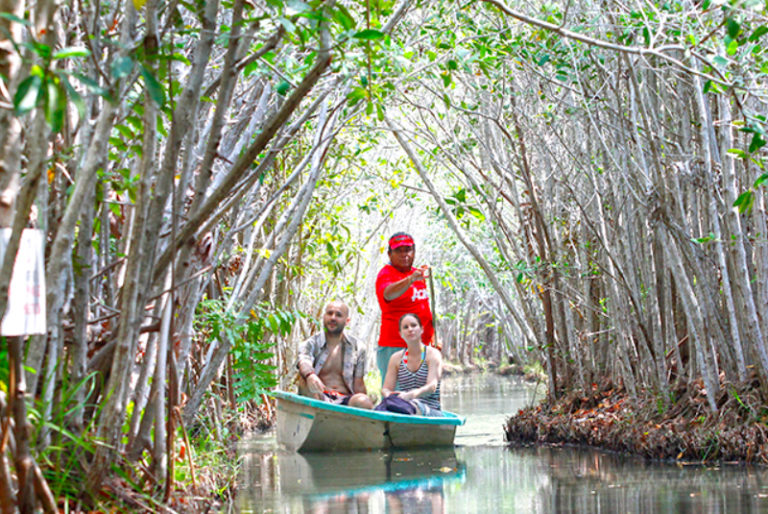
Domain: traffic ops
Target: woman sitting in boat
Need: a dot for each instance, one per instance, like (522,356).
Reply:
(413,374)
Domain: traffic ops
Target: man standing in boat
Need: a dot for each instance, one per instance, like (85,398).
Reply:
(332,364)
(401,289)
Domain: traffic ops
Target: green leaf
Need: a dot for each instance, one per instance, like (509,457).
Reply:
(287,24)
(121,67)
(117,143)
(126,132)
(251,67)
(298,6)
(72,51)
(476,213)
(283,87)
(55,105)
(75,97)
(27,95)
(178,57)
(756,143)
(42,50)
(744,201)
(357,94)
(343,17)
(761,180)
(758,32)
(706,239)
(369,34)
(733,27)
(741,154)
(452,65)
(15,19)
(91,84)
(154,88)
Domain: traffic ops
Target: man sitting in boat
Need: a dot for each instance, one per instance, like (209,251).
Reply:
(413,374)
(332,364)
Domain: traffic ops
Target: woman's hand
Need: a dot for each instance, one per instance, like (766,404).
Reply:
(407,395)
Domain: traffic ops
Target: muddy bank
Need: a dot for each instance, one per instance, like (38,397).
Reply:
(685,429)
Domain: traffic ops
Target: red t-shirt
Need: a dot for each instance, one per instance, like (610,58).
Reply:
(415,300)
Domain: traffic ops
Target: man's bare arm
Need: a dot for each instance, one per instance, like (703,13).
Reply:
(359,386)
(396,289)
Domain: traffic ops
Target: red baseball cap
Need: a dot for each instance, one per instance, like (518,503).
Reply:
(399,240)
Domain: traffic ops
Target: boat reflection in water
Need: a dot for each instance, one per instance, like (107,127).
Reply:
(392,481)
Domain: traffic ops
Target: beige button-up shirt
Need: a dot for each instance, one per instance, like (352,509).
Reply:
(315,350)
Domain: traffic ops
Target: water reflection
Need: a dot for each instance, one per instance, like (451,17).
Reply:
(486,401)
(481,475)
(584,480)
(396,481)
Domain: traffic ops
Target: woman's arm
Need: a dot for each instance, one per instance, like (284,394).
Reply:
(390,380)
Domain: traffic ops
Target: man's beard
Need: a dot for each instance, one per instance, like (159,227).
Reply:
(338,329)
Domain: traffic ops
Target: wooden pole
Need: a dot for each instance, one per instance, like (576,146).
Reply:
(432,303)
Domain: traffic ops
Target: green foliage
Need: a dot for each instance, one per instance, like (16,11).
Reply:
(62,460)
(745,201)
(705,239)
(4,366)
(250,340)
(48,87)
(154,88)
(535,369)
(460,206)
(373,380)
(369,34)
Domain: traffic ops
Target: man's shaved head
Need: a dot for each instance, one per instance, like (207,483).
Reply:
(335,317)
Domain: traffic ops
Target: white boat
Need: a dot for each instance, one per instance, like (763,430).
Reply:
(306,424)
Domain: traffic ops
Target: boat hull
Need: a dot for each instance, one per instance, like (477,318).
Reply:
(306,424)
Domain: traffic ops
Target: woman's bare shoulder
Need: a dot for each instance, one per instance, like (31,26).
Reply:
(434,354)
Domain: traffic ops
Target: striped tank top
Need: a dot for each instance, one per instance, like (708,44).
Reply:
(407,380)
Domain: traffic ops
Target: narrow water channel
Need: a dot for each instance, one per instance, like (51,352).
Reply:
(482,475)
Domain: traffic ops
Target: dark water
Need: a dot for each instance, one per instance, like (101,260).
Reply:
(482,475)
